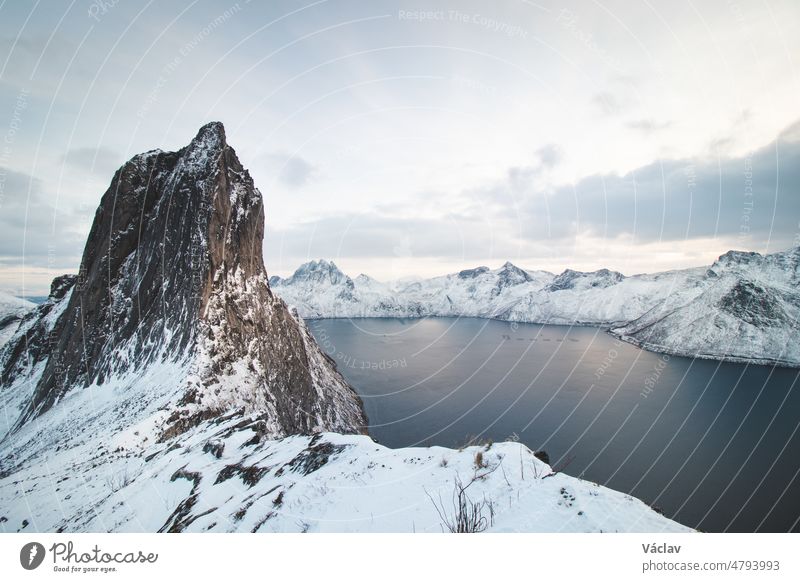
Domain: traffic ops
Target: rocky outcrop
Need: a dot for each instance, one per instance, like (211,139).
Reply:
(570,279)
(472,273)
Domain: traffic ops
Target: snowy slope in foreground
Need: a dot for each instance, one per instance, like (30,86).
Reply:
(744,307)
(223,476)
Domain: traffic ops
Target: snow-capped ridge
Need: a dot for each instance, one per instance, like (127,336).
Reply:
(744,308)
(318,271)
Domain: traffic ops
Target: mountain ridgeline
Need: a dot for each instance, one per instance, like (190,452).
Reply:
(745,307)
(173,273)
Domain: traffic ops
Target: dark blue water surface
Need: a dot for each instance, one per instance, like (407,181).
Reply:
(714,445)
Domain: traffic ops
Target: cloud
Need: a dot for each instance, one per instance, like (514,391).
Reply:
(522,179)
(99,160)
(648,126)
(607,103)
(549,155)
(751,198)
(374,235)
(32,231)
(293,170)
(791,133)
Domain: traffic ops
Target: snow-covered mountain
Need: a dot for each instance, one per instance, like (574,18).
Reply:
(12,310)
(745,307)
(165,388)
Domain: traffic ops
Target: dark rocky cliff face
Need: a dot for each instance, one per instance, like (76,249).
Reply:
(173,272)
(753,304)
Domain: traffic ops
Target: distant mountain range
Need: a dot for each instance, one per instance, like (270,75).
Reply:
(745,307)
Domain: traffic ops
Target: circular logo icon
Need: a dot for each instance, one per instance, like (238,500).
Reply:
(31,555)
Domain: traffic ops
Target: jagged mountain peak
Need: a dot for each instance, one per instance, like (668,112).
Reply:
(365,279)
(173,272)
(213,131)
(734,258)
(509,275)
(755,265)
(319,265)
(509,269)
(319,271)
(209,138)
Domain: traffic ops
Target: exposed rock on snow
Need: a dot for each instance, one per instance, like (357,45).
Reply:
(744,307)
(570,279)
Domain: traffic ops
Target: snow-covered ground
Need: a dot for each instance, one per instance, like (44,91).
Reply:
(744,307)
(223,476)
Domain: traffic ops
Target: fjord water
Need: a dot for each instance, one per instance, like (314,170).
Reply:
(713,445)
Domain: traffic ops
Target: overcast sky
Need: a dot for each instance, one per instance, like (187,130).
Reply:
(417,138)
